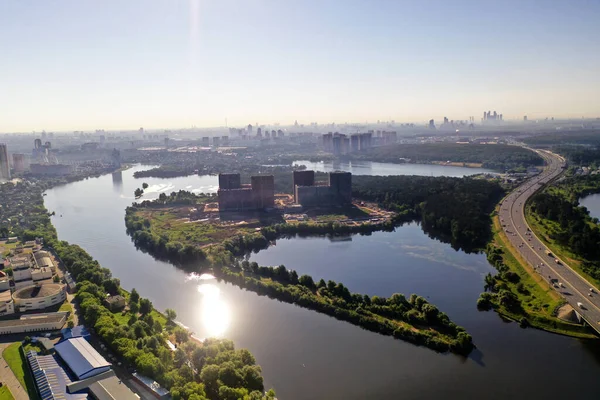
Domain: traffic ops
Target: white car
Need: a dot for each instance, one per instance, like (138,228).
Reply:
(580,305)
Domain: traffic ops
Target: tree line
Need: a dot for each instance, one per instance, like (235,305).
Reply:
(213,370)
(499,157)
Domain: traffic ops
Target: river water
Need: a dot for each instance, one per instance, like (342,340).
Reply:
(592,203)
(306,355)
(376,168)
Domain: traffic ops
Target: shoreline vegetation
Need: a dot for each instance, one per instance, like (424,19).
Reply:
(438,203)
(213,369)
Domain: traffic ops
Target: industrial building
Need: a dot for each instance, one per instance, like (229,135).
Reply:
(233,196)
(33,323)
(69,375)
(81,358)
(38,297)
(30,269)
(337,192)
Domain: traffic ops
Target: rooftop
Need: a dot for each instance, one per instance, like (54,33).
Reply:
(33,292)
(110,389)
(33,319)
(81,357)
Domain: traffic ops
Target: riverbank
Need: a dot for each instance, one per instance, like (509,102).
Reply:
(518,293)
(139,334)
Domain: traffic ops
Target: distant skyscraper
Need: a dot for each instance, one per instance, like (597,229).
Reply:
(18,163)
(431,124)
(4,168)
(525,118)
(37,143)
(249,129)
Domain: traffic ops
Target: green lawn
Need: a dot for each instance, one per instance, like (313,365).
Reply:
(66,306)
(5,393)
(18,364)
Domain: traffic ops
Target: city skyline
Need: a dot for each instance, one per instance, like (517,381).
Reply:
(162,64)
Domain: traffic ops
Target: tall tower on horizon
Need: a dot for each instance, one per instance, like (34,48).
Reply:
(4,167)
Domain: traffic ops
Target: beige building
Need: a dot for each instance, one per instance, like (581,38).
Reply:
(34,323)
(38,297)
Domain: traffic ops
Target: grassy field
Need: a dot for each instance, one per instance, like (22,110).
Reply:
(18,364)
(539,301)
(169,223)
(5,393)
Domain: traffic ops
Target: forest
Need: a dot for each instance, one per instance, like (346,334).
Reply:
(209,370)
(454,210)
(580,155)
(572,227)
(498,157)
(580,136)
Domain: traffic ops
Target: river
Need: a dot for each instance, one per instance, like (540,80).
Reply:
(377,168)
(306,355)
(592,203)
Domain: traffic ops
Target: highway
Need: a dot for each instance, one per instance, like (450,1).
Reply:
(574,288)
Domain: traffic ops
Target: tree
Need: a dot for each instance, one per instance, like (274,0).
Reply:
(144,185)
(181,335)
(252,378)
(209,375)
(229,375)
(134,308)
(145,306)
(134,296)
(306,280)
(70,324)
(55,279)
(112,286)
(171,315)
(138,192)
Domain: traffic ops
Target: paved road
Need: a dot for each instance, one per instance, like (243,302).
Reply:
(571,286)
(8,378)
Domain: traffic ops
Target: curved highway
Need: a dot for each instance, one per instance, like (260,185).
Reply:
(577,291)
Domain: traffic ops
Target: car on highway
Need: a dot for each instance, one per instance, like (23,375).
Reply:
(556,260)
(580,305)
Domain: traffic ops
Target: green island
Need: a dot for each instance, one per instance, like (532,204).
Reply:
(175,228)
(209,369)
(500,157)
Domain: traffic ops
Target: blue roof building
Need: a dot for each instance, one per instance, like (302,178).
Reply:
(83,360)
(76,331)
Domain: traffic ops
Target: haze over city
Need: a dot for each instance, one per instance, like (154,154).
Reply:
(159,64)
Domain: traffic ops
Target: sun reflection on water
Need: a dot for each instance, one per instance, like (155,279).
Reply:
(215,312)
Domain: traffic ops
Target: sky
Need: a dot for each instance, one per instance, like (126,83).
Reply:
(114,64)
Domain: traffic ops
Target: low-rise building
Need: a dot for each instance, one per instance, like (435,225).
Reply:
(33,323)
(115,303)
(158,391)
(38,297)
(81,358)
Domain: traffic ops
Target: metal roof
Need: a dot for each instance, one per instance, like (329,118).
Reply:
(81,357)
(50,378)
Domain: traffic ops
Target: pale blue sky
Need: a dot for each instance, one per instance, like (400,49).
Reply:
(113,64)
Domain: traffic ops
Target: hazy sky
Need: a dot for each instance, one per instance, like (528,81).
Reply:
(67,65)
